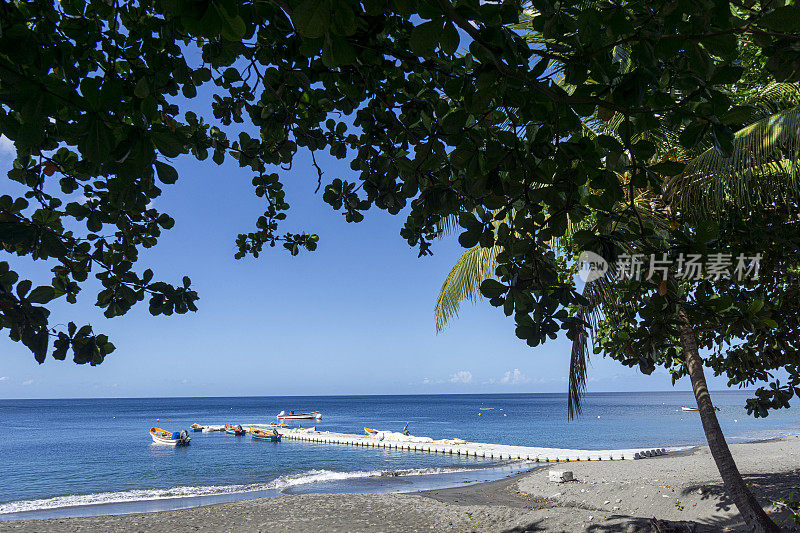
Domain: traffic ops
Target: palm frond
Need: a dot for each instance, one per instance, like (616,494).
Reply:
(578,362)
(464,282)
(776,94)
(447,225)
(765,161)
(599,295)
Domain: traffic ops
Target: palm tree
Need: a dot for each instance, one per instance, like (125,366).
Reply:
(762,168)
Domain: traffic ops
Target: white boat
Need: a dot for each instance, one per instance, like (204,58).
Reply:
(291,415)
(684,408)
(209,429)
(162,436)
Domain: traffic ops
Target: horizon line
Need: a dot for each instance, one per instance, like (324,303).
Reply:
(362,395)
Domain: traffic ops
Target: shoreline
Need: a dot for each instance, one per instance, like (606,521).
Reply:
(376,482)
(606,496)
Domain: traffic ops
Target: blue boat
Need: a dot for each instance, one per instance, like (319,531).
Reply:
(234,430)
(260,434)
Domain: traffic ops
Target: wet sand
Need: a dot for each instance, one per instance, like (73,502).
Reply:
(621,496)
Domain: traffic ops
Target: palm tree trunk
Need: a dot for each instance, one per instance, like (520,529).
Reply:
(748,506)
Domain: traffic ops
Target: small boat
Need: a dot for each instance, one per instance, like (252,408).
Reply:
(684,408)
(260,434)
(162,436)
(209,429)
(196,427)
(313,415)
(279,425)
(234,430)
(371,432)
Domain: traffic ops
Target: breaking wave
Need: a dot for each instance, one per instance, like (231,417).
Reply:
(278,484)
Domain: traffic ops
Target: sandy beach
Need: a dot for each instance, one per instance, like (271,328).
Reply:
(683,488)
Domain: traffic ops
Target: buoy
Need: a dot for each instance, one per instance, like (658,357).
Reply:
(505,414)
(479,414)
(156,419)
(598,416)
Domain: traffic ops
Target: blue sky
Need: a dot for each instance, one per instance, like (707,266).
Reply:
(354,317)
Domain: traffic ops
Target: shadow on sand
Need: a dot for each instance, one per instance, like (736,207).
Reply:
(767,488)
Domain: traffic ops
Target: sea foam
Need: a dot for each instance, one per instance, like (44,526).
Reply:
(278,484)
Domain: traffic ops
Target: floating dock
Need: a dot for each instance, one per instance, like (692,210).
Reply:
(472,449)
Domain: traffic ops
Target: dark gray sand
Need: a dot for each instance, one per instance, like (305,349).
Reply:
(618,496)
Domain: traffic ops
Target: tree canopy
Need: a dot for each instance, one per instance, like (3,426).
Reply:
(443,109)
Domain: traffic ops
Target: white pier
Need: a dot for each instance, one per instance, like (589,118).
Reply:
(471,449)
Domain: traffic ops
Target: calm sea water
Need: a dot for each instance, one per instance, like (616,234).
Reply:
(74,457)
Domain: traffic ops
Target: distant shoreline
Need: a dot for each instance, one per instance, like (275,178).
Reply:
(460,394)
(615,496)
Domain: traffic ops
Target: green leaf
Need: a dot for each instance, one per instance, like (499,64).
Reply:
(344,20)
(450,38)
(166,173)
(491,288)
(782,19)
(723,139)
(42,294)
(167,143)
(692,134)
(23,287)
(707,230)
(644,149)
(727,74)
(724,46)
(312,18)
(770,323)
(98,142)
(610,143)
(337,52)
(142,89)
(425,36)
(232,28)
(668,168)
(470,238)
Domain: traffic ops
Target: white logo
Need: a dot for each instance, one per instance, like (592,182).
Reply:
(592,266)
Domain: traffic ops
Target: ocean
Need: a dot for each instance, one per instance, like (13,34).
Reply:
(61,458)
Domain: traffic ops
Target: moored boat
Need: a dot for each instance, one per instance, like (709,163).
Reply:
(209,429)
(371,432)
(279,425)
(162,436)
(684,408)
(234,430)
(313,415)
(261,434)
(196,427)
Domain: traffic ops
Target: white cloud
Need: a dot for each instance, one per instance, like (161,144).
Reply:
(7,148)
(462,376)
(185,381)
(514,377)
(28,382)
(3,378)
